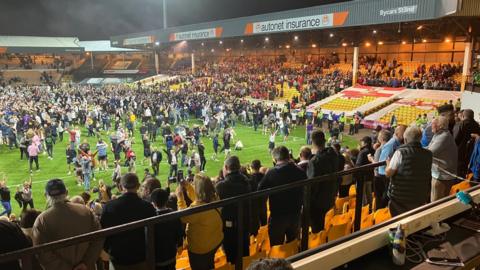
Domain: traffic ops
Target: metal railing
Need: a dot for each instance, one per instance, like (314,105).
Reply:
(26,255)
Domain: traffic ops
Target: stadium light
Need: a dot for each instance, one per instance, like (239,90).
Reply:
(404,42)
(374,31)
(331,34)
(447,40)
(420,27)
(295,38)
(220,42)
(287,46)
(203,44)
(344,44)
(266,39)
(314,45)
(212,50)
(157,43)
(380,43)
(241,40)
(228,49)
(367,44)
(424,40)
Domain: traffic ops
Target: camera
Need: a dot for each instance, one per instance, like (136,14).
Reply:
(180,176)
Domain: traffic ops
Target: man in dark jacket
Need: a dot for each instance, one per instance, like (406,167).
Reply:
(285,206)
(127,250)
(168,235)
(410,172)
(366,150)
(234,184)
(322,194)
(259,206)
(156,158)
(465,143)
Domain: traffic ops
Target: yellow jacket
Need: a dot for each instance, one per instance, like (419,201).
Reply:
(181,204)
(204,230)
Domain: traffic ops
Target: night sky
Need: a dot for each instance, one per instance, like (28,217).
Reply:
(100,19)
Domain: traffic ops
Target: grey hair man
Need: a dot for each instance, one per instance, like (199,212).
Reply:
(445,158)
(61,220)
(410,171)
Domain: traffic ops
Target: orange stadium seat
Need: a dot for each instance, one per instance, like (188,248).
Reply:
(284,251)
(381,215)
(459,187)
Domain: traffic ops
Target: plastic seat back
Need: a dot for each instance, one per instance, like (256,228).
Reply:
(284,251)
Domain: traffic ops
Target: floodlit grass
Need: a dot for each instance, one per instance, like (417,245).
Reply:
(17,171)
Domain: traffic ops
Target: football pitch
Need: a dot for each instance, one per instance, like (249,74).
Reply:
(255,144)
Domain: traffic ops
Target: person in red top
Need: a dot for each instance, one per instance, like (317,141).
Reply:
(177,140)
(72,134)
(130,157)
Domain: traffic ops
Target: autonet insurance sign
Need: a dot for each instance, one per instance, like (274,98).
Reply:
(197,34)
(297,23)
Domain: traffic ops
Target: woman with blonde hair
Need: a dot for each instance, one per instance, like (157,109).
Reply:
(205,229)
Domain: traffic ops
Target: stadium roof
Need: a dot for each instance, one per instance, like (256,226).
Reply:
(345,14)
(102,46)
(33,44)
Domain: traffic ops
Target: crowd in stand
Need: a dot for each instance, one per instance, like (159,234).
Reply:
(35,118)
(29,62)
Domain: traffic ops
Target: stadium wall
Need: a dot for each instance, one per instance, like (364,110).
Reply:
(443,52)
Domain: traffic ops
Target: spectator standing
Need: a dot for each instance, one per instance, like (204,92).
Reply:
(463,138)
(259,206)
(444,151)
(62,220)
(127,250)
(474,165)
(380,181)
(204,230)
(168,235)
(285,206)
(234,184)
(322,195)
(12,239)
(410,172)
(366,151)
(305,156)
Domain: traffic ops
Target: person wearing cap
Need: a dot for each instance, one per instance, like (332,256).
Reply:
(127,250)
(168,235)
(61,220)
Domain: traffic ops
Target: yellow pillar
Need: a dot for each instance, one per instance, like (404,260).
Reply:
(355,65)
(467,62)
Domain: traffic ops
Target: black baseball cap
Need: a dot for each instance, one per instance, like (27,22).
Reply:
(55,187)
